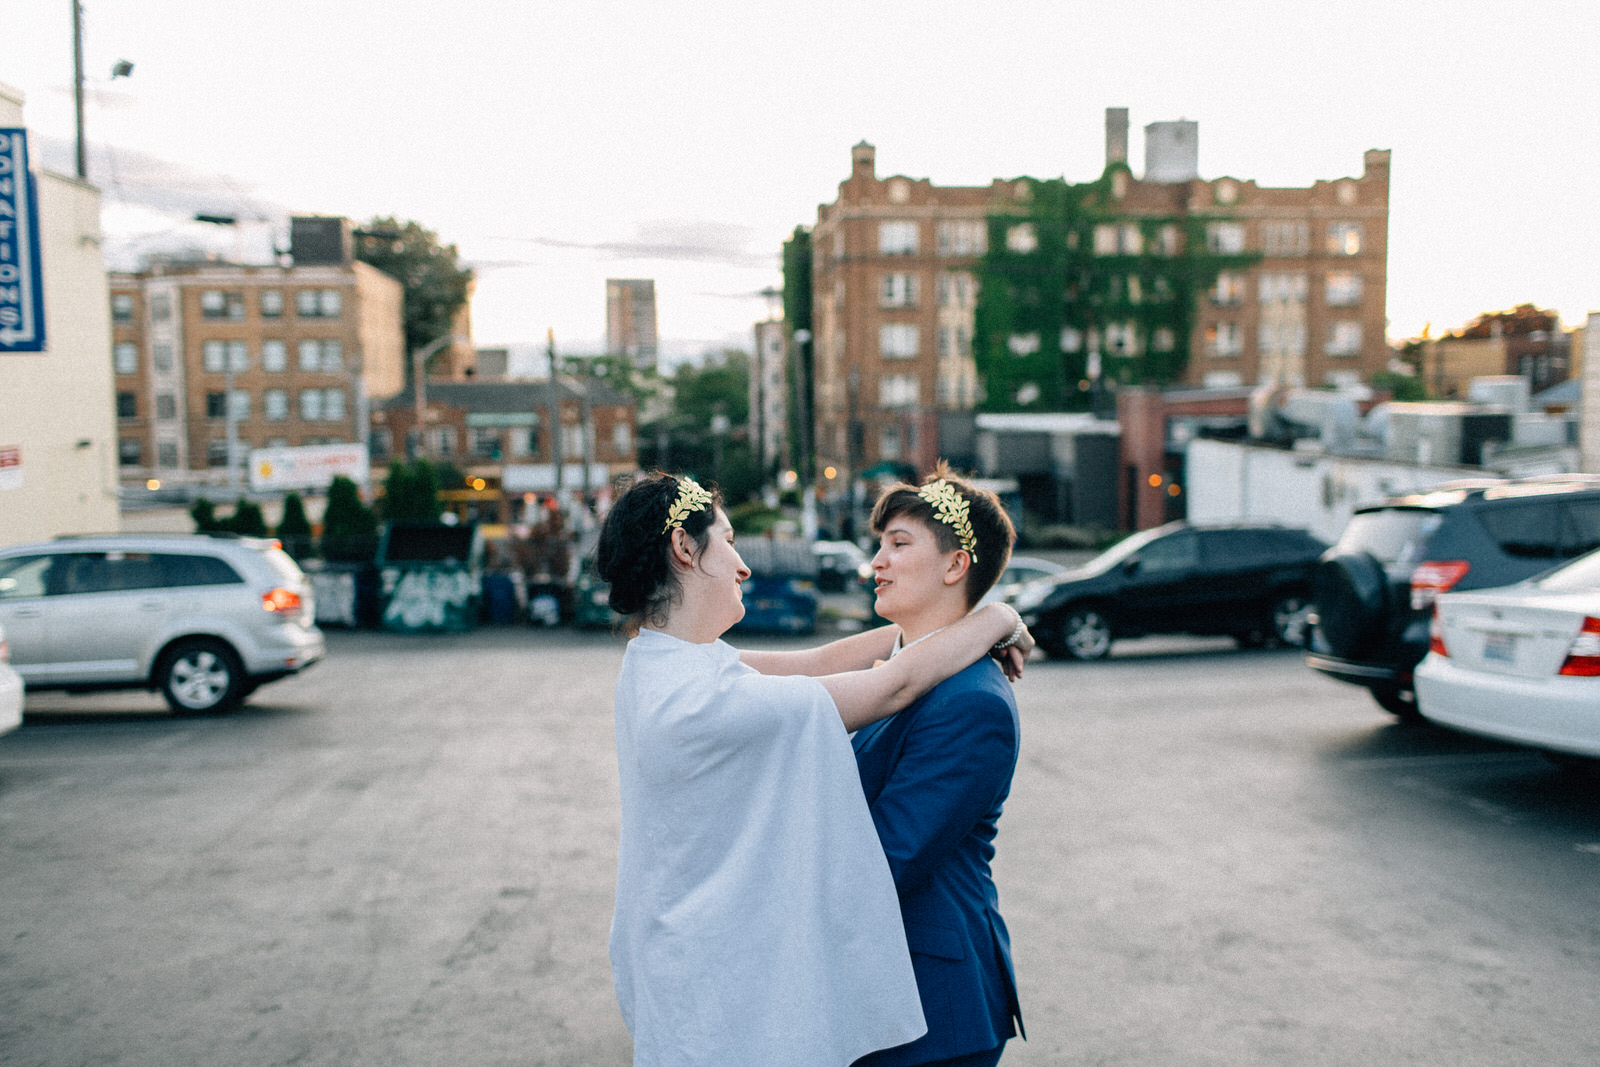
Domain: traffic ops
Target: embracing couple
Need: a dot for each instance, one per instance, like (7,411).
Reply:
(803,873)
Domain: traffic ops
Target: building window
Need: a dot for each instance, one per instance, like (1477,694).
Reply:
(274,356)
(166,454)
(333,404)
(161,355)
(1225,238)
(1344,289)
(622,439)
(1168,240)
(216,453)
(1112,239)
(957,289)
(125,357)
(318,303)
(1344,238)
(1071,339)
(898,391)
(484,442)
(889,442)
(1283,288)
(897,238)
(166,407)
(275,404)
(215,405)
(1344,339)
(127,405)
(325,356)
(1023,344)
(271,303)
(1229,289)
(1224,339)
(160,307)
(1162,339)
(218,304)
(1022,238)
(444,441)
(216,356)
(1286,238)
(1121,339)
(122,307)
(130,452)
(954,342)
(381,443)
(898,291)
(311,405)
(963,237)
(899,340)
(1282,338)
(240,402)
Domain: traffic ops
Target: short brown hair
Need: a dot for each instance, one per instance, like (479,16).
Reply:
(992,530)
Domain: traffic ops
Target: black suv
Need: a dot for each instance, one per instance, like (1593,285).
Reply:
(1252,582)
(1374,589)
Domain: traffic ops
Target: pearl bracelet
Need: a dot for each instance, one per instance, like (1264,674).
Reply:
(1016,631)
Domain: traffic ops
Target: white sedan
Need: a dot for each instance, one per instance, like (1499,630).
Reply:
(10,690)
(1520,663)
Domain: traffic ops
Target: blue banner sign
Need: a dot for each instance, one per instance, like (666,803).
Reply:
(21,278)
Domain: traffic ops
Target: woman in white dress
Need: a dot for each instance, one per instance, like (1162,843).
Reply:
(756,920)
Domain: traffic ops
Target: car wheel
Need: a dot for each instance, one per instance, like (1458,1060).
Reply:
(1086,634)
(1401,703)
(1291,621)
(1351,591)
(201,675)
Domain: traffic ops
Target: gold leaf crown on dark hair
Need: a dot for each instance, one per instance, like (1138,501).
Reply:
(691,498)
(951,508)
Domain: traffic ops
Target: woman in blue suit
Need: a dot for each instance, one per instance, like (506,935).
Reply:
(937,775)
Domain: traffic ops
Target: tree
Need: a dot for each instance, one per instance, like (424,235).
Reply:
(707,433)
(1071,280)
(797,313)
(411,492)
(247,520)
(349,527)
(294,529)
(204,514)
(436,285)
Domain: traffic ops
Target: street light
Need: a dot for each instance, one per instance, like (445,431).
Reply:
(419,362)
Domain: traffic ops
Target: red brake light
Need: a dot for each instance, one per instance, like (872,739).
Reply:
(1433,577)
(1436,634)
(5,651)
(280,599)
(1583,658)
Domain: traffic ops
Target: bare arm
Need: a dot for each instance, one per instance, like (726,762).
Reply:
(865,696)
(854,653)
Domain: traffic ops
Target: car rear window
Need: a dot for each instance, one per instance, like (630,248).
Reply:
(1525,529)
(182,570)
(1391,535)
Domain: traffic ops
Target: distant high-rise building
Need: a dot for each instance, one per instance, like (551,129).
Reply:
(631,319)
(769,394)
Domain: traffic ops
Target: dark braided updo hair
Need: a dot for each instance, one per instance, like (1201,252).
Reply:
(634,554)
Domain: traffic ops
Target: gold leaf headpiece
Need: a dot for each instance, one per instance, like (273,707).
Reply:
(691,498)
(951,508)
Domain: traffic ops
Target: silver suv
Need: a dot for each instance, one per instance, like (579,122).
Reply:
(203,619)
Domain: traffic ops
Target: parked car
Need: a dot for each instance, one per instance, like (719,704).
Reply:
(1019,572)
(841,566)
(1520,663)
(591,598)
(1249,581)
(780,596)
(203,619)
(10,689)
(1375,588)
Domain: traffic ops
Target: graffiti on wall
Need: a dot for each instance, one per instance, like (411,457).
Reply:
(428,599)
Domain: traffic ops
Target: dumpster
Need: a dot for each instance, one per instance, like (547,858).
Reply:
(431,576)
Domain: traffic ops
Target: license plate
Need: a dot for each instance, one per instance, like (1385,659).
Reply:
(1500,648)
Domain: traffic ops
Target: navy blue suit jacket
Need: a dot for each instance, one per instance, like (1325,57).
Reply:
(936,777)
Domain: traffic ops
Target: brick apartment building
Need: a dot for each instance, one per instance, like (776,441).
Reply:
(295,354)
(895,289)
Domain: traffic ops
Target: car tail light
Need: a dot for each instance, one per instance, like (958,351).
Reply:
(1583,658)
(1436,634)
(1434,577)
(5,651)
(280,600)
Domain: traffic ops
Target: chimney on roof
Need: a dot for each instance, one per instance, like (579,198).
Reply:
(863,161)
(1116,135)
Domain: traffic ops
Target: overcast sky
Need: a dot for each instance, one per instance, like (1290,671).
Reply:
(559,144)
